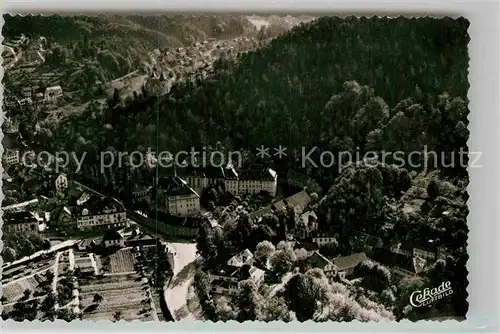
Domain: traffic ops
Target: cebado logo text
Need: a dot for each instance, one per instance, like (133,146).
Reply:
(424,297)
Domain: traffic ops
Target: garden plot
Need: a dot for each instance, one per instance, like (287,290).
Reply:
(15,290)
(126,294)
(122,261)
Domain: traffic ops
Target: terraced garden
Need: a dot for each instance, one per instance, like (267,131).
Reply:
(15,290)
(126,294)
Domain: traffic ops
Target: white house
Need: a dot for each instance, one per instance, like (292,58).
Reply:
(253,181)
(177,198)
(21,222)
(12,150)
(61,183)
(100,213)
(52,94)
(323,240)
(226,279)
(241,182)
(113,239)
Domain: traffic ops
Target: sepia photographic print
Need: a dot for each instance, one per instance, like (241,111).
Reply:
(247,167)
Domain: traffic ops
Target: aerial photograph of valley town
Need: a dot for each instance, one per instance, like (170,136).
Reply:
(247,167)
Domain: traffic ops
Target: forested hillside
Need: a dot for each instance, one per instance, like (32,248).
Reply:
(332,83)
(102,48)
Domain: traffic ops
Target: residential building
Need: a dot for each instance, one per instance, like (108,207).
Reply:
(141,192)
(245,181)
(100,213)
(203,177)
(367,242)
(345,264)
(322,240)
(52,94)
(254,180)
(210,221)
(6,177)
(425,249)
(20,222)
(26,101)
(299,201)
(12,146)
(140,239)
(245,257)
(61,183)
(398,248)
(176,197)
(317,260)
(306,225)
(113,239)
(225,280)
(86,245)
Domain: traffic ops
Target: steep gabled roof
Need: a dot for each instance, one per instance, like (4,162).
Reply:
(112,235)
(175,186)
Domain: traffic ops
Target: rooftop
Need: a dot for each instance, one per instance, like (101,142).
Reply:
(175,186)
(97,205)
(317,260)
(112,235)
(19,217)
(265,174)
(307,217)
(242,258)
(226,271)
(298,201)
(350,261)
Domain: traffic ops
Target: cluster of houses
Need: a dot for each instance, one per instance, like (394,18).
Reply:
(226,278)
(201,55)
(35,94)
(403,259)
(177,64)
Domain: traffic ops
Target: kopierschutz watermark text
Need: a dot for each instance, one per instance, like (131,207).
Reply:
(309,158)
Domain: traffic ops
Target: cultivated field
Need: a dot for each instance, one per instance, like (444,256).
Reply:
(122,261)
(127,294)
(13,291)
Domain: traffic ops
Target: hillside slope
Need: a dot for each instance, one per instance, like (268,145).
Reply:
(102,48)
(333,83)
